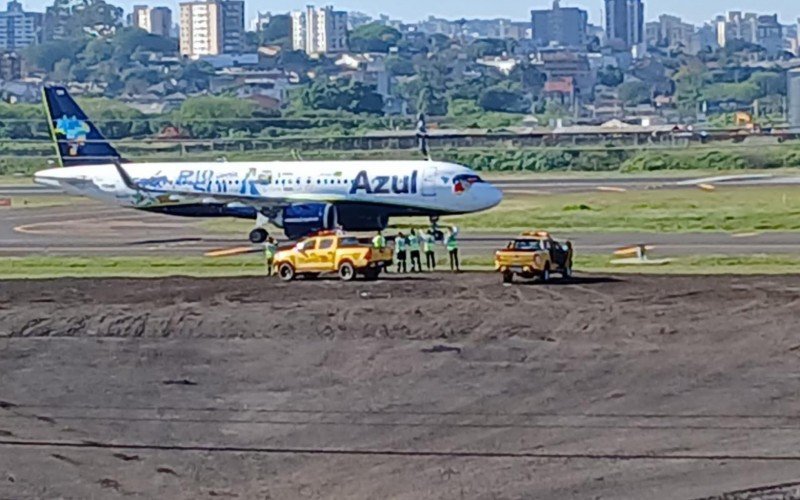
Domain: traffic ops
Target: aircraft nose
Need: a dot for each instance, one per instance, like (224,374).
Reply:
(492,196)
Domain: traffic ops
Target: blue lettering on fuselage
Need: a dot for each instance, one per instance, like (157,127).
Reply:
(384,184)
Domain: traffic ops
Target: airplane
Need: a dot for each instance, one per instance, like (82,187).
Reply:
(300,197)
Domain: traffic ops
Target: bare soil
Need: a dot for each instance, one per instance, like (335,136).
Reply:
(433,387)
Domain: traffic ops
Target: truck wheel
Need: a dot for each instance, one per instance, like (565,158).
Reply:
(567,274)
(286,272)
(545,276)
(347,272)
(508,277)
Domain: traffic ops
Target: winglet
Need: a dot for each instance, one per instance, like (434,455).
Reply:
(126,178)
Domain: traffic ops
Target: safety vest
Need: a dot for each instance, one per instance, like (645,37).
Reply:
(400,244)
(413,243)
(452,243)
(379,242)
(427,243)
(270,249)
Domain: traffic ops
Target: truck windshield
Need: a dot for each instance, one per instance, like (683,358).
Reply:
(527,245)
(349,241)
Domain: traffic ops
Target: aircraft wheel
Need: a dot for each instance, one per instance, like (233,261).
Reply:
(286,272)
(258,235)
(545,276)
(508,277)
(347,272)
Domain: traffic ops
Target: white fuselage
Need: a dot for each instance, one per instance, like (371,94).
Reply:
(424,186)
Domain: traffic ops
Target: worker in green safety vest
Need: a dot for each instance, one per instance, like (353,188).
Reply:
(270,249)
(379,242)
(428,242)
(400,247)
(451,243)
(414,249)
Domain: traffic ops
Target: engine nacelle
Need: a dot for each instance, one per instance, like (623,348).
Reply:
(300,220)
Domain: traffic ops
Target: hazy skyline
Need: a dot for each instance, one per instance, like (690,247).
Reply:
(695,11)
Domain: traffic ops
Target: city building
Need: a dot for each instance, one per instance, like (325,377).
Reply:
(669,31)
(737,26)
(793,88)
(769,34)
(10,66)
(763,30)
(18,28)
(564,26)
(625,25)
(319,30)
(155,20)
(211,27)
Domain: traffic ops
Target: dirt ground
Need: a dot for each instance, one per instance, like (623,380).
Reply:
(438,387)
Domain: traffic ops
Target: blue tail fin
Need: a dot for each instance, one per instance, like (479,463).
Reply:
(78,140)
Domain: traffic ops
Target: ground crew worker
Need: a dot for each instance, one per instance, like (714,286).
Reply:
(400,245)
(428,241)
(414,248)
(379,242)
(270,249)
(451,243)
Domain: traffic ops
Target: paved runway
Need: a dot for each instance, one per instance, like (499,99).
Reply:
(95,229)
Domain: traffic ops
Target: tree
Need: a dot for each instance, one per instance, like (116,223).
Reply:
(397,66)
(689,82)
(745,93)
(44,56)
(769,83)
(633,93)
(503,99)
(484,47)
(278,31)
(209,117)
(610,76)
(354,97)
(374,37)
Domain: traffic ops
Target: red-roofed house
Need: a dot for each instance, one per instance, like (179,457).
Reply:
(561,90)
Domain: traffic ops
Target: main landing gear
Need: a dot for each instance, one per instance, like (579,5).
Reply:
(258,235)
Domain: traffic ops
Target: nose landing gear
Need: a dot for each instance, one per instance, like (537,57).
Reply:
(438,234)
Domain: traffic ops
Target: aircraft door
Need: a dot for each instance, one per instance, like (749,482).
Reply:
(429,176)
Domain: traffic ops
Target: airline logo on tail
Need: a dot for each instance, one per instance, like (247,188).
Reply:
(75,132)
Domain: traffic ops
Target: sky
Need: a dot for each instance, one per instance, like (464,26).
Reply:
(695,11)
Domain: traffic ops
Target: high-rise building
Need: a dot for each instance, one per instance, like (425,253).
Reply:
(18,28)
(211,27)
(669,31)
(155,20)
(564,26)
(625,23)
(319,30)
(750,27)
(793,89)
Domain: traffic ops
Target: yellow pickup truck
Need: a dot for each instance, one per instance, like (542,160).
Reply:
(534,255)
(332,253)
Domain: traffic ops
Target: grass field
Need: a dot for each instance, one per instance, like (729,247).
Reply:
(685,210)
(734,210)
(35,201)
(151,267)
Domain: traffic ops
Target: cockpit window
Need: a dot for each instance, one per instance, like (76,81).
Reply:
(468,178)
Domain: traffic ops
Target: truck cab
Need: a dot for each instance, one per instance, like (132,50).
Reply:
(332,252)
(534,255)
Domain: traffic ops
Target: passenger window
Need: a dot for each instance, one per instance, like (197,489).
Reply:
(325,244)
